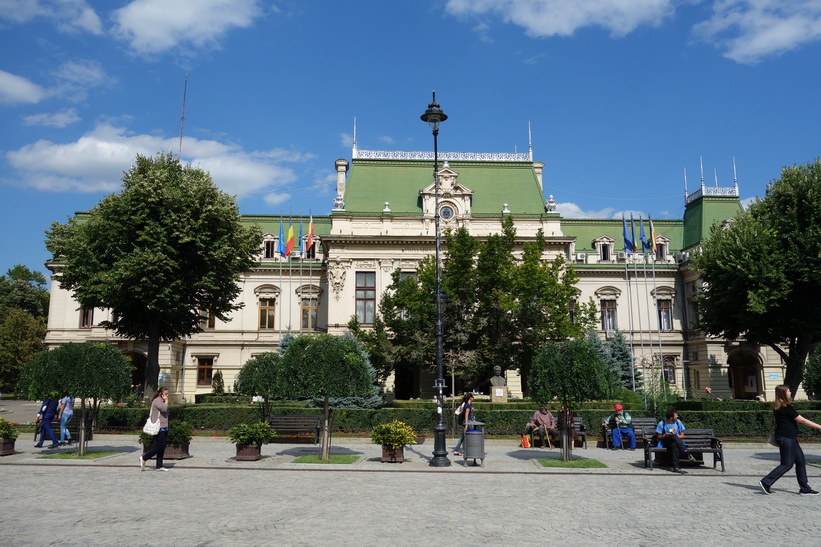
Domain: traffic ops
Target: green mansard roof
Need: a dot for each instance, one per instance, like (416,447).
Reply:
(372,182)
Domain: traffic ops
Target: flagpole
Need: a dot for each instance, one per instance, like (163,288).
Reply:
(281,249)
(628,248)
(301,260)
(290,273)
(638,296)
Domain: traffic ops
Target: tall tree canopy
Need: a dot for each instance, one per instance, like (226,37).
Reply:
(762,273)
(24,289)
(21,338)
(169,246)
(499,305)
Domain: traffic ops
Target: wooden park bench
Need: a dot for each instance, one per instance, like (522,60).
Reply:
(641,427)
(73,430)
(578,432)
(698,442)
(296,423)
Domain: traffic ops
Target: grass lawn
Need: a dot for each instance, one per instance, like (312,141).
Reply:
(572,464)
(333,458)
(75,456)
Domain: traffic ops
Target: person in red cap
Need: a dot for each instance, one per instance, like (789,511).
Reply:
(620,423)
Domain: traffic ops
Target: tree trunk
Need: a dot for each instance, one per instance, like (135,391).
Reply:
(152,365)
(82,444)
(567,433)
(326,419)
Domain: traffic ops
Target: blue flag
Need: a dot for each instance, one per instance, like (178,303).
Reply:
(281,246)
(629,248)
(644,244)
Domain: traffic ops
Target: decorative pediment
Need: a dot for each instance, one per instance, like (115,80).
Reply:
(452,195)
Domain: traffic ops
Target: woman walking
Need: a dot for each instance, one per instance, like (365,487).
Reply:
(65,415)
(159,411)
(465,416)
(786,435)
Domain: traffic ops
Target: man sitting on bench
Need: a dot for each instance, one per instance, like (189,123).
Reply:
(542,424)
(620,423)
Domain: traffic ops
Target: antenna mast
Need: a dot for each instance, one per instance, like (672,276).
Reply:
(182,117)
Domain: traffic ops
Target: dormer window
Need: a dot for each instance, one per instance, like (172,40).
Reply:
(604,248)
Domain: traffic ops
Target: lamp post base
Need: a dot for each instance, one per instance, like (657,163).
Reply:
(440,452)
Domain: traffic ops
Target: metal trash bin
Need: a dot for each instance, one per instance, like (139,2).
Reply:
(474,447)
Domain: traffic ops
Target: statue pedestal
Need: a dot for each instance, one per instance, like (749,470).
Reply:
(498,394)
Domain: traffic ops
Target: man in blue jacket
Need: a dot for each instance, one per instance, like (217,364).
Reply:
(47,413)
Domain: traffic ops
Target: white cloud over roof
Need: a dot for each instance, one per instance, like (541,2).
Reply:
(94,163)
(154,26)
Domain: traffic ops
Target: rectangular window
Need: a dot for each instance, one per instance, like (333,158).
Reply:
(365,297)
(207,321)
(608,315)
(661,251)
(310,252)
(605,252)
(86,318)
(696,380)
(309,306)
(665,311)
(670,369)
(571,311)
(205,369)
(270,248)
(267,311)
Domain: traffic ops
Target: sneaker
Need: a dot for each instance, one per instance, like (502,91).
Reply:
(764,487)
(691,457)
(679,470)
(808,493)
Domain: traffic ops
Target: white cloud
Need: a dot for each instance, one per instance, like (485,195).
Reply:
(543,18)
(750,30)
(96,161)
(56,119)
(16,89)
(571,210)
(154,26)
(70,16)
(75,78)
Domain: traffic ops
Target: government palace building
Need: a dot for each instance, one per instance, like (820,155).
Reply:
(382,219)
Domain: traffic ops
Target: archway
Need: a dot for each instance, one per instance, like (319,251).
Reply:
(139,362)
(745,375)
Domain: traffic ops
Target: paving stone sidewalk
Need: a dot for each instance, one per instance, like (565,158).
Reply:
(210,499)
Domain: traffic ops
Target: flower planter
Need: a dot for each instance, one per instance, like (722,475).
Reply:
(6,447)
(176,451)
(248,452)
(393,455)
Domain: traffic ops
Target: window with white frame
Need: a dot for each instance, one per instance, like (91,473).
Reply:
(609,309)
(86,318)
(365,297)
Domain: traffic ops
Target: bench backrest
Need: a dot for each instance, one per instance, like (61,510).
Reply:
(644,426)
(695,438)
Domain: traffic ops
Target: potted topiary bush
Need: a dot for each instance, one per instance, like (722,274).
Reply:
(393,436)
(179,440)
(249,439)
(8,435)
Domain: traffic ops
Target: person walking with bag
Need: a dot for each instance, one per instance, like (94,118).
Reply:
(787,419)
(159,411)
(47,413)
(464,417)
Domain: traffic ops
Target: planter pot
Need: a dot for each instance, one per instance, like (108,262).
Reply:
(393,455)
(176,451)
(7,447)
(248,452)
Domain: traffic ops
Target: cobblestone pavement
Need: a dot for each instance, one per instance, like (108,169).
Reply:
(210,499)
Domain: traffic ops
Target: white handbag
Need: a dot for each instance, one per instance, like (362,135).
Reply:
(151,428)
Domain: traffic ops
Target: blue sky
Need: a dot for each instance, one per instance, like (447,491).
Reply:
(621,96)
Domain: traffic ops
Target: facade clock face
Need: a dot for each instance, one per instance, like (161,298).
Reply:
(446,212)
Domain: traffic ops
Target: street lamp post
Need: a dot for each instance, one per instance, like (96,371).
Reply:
(433,116)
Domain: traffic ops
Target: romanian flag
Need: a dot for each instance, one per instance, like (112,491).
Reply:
(653,244)
(310,240)
(629,248)
(289,243)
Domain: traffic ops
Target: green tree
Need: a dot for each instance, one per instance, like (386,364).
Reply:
(258,376)
(322,365)
(24,289)
(217,383)
(167,247)
(617,354)
(89,371)
(762,274)
(21,338)
(377,344)
(572,372)
(812,374)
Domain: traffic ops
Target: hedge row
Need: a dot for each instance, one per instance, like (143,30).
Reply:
(745,423)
